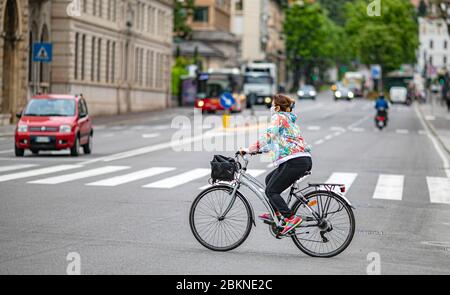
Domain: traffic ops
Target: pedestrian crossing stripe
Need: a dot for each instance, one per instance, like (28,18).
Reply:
(388,186)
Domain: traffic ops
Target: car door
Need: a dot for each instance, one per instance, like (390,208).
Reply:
(83,122)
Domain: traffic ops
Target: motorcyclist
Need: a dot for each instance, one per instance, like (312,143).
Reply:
(382,106)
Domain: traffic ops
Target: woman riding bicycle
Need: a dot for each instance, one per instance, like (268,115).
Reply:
(290,153)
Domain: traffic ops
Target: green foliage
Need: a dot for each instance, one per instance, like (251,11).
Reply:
(389,40)
(178,70)
(182,10)
(335,9)
(422,10)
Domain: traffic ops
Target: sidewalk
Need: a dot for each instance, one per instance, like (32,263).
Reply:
(129,118)
(438,120)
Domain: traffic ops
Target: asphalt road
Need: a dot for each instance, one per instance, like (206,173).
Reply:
(124,215)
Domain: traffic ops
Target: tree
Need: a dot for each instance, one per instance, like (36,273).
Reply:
(389,40)
(335,10)
(308,36)
(182,10)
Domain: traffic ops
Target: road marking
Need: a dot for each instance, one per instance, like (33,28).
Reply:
(422,132)
(337,133)
(99,127)
(328,137)
(402,131)
(6,151)
(37,172)
(150,135)
(313,128)
(435,142)
(108,135)
(180,179)
(162,127)
(389,187)
(118,127)
(80,175)
(320,141)
(430,118)
(118,180)
(16,167)
(337,128)
(343,178)
(356,129)
(439,188)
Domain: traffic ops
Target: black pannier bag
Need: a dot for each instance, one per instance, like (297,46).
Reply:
(223,168)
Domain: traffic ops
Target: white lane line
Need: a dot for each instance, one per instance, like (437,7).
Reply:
(36,172)
(313,128)
(435,142)
(80,175)
(354,124)
(346,179)
(16,167)
(357,129)
(118,180)
(430,118)
(108,135)
(162,127)
(118,127)
(328,137)
(6,151)
(389,187)
(320,141)
(179,179)
(150,135)
(439,189)
(99,127)
(337,133)
(337,128)
(422,132)
(402,131)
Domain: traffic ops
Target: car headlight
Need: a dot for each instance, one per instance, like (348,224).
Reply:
(242,97)
(22,128)
(350,94)
(338,94)
(300,93)
(312,93)
(267,100)
(65,129)
(201,103)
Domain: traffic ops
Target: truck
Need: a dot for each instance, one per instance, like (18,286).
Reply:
(355,82)
(260,82)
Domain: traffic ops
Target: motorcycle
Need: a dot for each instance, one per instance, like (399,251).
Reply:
(381,118)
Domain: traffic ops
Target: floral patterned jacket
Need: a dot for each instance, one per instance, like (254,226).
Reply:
(282,139)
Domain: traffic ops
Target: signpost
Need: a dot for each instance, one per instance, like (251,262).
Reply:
(226,101)
(375,72)
(42,52)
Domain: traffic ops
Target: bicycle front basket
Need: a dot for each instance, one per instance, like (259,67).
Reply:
(223,168)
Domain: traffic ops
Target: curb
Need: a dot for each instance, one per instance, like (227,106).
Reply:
(433,131)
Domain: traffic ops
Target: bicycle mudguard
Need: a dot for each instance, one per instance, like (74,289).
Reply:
(229,187)
(331,188)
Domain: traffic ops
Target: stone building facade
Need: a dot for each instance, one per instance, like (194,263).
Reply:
(117,53)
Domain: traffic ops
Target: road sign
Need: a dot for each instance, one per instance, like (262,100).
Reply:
(42,52)
(227,100)
(375,71)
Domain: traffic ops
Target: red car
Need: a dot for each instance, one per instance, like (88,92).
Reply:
(54,122)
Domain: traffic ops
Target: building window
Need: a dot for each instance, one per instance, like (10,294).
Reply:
(431,60)
(77,41)
(94,6)
(100,8)
(200,14)
(445,44)
(107,60)
(431,44)
(113,62)
(239,5)
(445,60)
(99,59)
(83,55)
(93,58)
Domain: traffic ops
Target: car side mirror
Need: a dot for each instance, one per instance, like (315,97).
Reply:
(19,115)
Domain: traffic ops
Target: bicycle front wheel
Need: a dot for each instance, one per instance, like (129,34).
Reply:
(333,233)
(214,232)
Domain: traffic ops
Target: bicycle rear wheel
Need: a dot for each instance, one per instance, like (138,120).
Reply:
(214,232)
(333,233)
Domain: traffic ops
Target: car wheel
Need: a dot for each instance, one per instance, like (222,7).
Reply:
(75,149)
(87,148)
(35,152)
(19,152)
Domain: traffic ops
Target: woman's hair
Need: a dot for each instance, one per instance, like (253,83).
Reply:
(282,103)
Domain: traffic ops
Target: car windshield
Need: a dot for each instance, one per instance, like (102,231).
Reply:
(258,80)
(50,107)
(307,88)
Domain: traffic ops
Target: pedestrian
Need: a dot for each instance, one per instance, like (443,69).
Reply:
(289,151)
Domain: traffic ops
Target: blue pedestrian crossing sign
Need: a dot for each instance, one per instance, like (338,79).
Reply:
(42,52)
(227,100)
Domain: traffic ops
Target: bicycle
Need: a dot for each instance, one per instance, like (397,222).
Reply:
(221,217)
